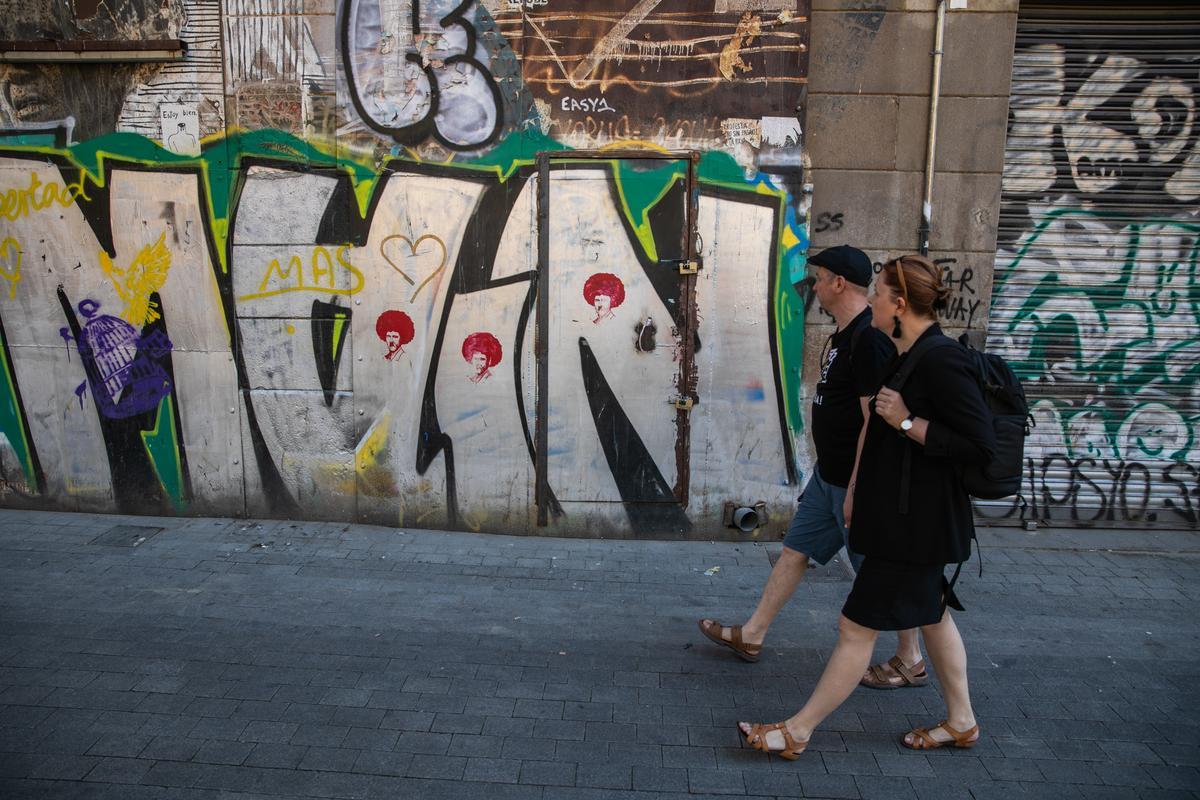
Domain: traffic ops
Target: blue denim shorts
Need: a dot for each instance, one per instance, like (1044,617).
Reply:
(818,529)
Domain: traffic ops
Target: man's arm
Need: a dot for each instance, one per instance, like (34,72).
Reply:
(848,505)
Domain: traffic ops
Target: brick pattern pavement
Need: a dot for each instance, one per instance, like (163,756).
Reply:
(227,659)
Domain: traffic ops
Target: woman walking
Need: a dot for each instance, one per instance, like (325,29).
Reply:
(910,516)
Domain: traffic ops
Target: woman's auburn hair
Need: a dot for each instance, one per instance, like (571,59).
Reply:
(919,281)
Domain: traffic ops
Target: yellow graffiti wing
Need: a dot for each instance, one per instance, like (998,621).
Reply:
(142,278)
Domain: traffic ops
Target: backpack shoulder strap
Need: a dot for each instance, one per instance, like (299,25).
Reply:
(897,382)
(902,375)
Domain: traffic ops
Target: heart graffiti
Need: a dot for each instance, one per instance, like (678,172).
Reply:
(413,262)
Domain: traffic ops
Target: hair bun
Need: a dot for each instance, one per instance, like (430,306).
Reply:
(941,298)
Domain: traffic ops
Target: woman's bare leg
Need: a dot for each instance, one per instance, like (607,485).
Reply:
(846,665)
(949,657)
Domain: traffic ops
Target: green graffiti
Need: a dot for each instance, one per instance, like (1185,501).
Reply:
(162,446)
(221,166)
(640,191)
(1076,328)
(717,166)
(1175,284)
(12,418)
(29,139)
(513,152)
(789,327)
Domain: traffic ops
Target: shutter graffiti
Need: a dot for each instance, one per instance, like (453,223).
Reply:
(1096,300)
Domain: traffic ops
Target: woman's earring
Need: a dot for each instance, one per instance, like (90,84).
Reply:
(896,328)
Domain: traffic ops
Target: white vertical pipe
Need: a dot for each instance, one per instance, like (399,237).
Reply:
(935,91)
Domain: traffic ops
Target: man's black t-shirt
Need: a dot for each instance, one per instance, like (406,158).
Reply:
(837,415)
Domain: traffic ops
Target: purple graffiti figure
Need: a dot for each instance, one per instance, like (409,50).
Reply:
(123,367)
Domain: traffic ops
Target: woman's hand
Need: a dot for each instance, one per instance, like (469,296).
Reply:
(848,505)
(890,405)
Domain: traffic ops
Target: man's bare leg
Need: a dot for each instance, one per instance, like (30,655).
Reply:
(908,647)
(785,577)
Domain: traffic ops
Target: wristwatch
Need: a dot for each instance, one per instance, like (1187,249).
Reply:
(907,423)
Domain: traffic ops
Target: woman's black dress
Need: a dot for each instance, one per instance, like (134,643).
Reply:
(901,583)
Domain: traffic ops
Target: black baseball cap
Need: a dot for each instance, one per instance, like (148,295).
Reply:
(851,263)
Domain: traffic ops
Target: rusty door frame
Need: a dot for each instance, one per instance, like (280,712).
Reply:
(688,266)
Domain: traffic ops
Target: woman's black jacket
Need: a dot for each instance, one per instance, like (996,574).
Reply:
(938,526)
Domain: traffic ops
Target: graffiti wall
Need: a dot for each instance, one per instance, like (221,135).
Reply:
(310,268)
(1097,287)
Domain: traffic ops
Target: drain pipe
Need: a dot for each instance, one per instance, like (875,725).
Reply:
(935,91)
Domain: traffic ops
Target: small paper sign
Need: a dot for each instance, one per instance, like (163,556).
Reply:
(742,130)
(180,128)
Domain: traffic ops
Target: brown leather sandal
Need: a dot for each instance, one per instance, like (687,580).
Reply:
(877,676)
(924,739)
(746,652)
(757,738)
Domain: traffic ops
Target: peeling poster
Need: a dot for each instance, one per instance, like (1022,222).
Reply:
(781,131)
(742,130)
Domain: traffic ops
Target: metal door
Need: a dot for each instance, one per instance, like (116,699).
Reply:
(616,331)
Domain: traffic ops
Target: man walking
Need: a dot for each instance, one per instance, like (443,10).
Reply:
(851,366)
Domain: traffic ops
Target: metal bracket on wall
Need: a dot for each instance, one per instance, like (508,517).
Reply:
(90,51)
(686,266)
(682,403)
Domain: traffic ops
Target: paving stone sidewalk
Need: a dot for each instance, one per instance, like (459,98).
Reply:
(233,659)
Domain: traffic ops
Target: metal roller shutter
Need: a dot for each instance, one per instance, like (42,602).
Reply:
(1096,301)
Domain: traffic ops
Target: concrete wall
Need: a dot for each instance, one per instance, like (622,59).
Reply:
(296,273)
(868,118)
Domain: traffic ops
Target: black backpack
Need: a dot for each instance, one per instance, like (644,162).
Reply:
(1011,421)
